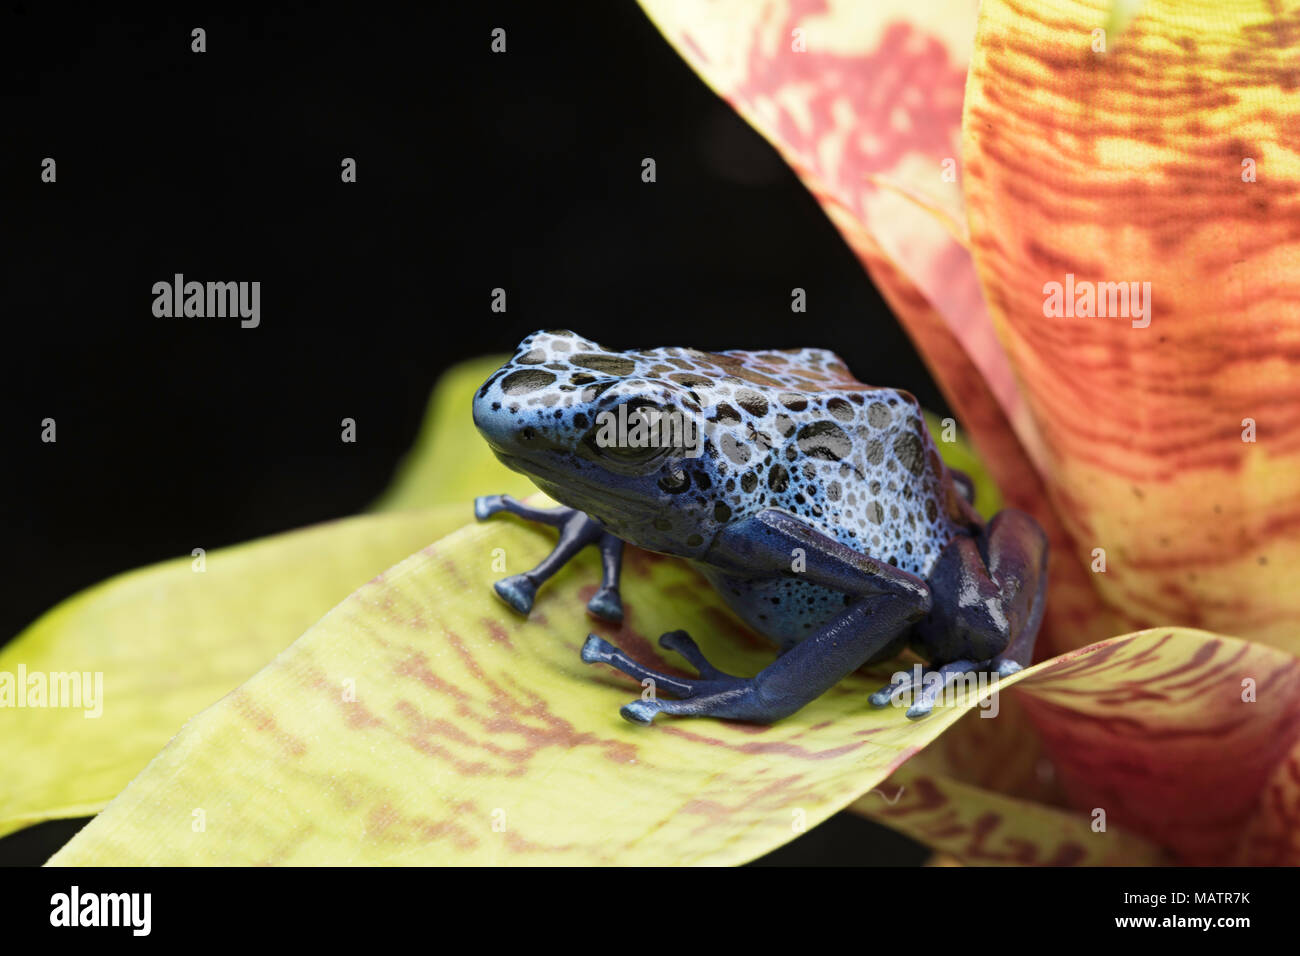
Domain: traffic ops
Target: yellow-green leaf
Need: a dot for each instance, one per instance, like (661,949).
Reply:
(421,722)
(166,641)
(477,736)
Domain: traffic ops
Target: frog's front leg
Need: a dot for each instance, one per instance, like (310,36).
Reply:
(989,595)
(888,601)
(577,530)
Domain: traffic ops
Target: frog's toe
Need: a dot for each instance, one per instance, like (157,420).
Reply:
(644,711)
(895,691)
(731,698)
(485,506)
(640,711)
(924,705)
(683,644)
(1007,667)
(926,696)
(518,592)
(935,684)
(882,697)
(597,650)
(607,605)
(923,689)
(715,696)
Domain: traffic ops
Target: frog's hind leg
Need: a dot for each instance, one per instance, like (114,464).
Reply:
(883,602)
(989,595)
(801,674)
(577,531)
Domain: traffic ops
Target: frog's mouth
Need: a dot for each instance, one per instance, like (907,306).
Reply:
(560,479)
(568,488)
(625,514)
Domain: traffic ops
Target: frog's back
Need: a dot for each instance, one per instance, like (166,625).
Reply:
(796,431)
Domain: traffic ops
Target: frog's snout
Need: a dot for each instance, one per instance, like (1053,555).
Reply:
(480,410)
(492,419)
(485,422)
(503,426)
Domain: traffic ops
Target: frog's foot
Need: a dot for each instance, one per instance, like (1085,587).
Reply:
(518,591)
(577,531)
(712,694)
(606,604)
(924,693)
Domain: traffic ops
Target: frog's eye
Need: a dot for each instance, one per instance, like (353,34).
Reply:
(632,455)
(633,434)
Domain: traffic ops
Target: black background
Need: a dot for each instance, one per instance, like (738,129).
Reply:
(1080,904)
(475,170)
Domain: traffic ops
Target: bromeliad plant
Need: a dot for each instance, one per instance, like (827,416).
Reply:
(972,157)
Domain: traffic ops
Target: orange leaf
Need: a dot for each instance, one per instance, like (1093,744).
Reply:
(1169,738)
(1273,836)
(984,828)
(1163,156)
(1174,733)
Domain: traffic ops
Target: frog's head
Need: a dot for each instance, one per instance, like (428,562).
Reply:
(601,432)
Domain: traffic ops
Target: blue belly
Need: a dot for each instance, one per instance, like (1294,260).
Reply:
(783,609)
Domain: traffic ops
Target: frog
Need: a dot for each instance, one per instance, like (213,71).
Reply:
(818,508)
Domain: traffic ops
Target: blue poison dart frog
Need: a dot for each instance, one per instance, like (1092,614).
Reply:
(818,507)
